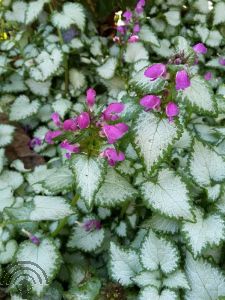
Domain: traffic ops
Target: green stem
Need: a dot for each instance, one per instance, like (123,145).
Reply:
(14,222)
(63,222)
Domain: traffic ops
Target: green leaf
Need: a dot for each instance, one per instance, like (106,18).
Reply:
(87,241)
(214,38)
(176,280)
(59,181)
(73,13)
(89,173)
(219,16)
(147,35)
(2,158)
(206,165)
(6,197)
(50,208)
(162,195)
(8,251)
(124,264)
(200,95)
(135,52)
(12,179)
(23,108)
(114,190)
(154,136)
(38,88)
(146,278)
(162,224)
(107,70)
(46,64)
(33,10)
(86,291)
(38,264)
(173,17)
(153,293)
(157,252)
(206,281)
(6,134)
(207,231)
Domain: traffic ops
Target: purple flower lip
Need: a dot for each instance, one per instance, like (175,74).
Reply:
(112,156)
(140,7)
(150,102)
(127,15)
(70,148)
(172,111)
(155,71)
(222,61)
(50,135)
(200,48)
(136,28)
(68,35)
(35,142)
(111,113)
(70,125)
(133,38)
(208,76)
(114,132)
(34,240)
(91,225)
(182,80)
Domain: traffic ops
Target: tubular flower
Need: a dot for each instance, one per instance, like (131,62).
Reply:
(136,28)
(140,7)
(222,61)
(200,48)
(50,135)
(112,111)
(155,71)
(83,120)
(182,80)
(150,102)
(35,142)
(90,97)
(128,16)
(172,111)
(112,156)
(70,148)
(56,119)
(208,76)
(133,38)
(70,125)
(114,132)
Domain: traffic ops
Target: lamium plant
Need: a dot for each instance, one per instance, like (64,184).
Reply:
(112,150)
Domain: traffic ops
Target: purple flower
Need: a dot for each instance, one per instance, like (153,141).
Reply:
(150,102)
(70,124)
(50,135)
(155,71)
(200,48)
(182,80)
(68,35)
(34,240)
(208,76)
(70,148)
(136,28)
(121,29)
(35,142)
(90,97)
(127,15)
(133,38)
(114,132)
(222,61)
(56,119)
(140,7)
(172,110)
(112,156)
(112,111)
(83,120)
(90,225)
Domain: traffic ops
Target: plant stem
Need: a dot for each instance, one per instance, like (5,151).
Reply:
(63,222)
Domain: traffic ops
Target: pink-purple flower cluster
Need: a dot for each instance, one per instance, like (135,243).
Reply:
(181,78)
(80,133)
(128,28)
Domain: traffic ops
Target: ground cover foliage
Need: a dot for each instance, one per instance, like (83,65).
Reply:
(112,150)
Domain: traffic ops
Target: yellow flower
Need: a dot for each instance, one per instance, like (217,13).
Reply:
(118,18)
(3,35)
